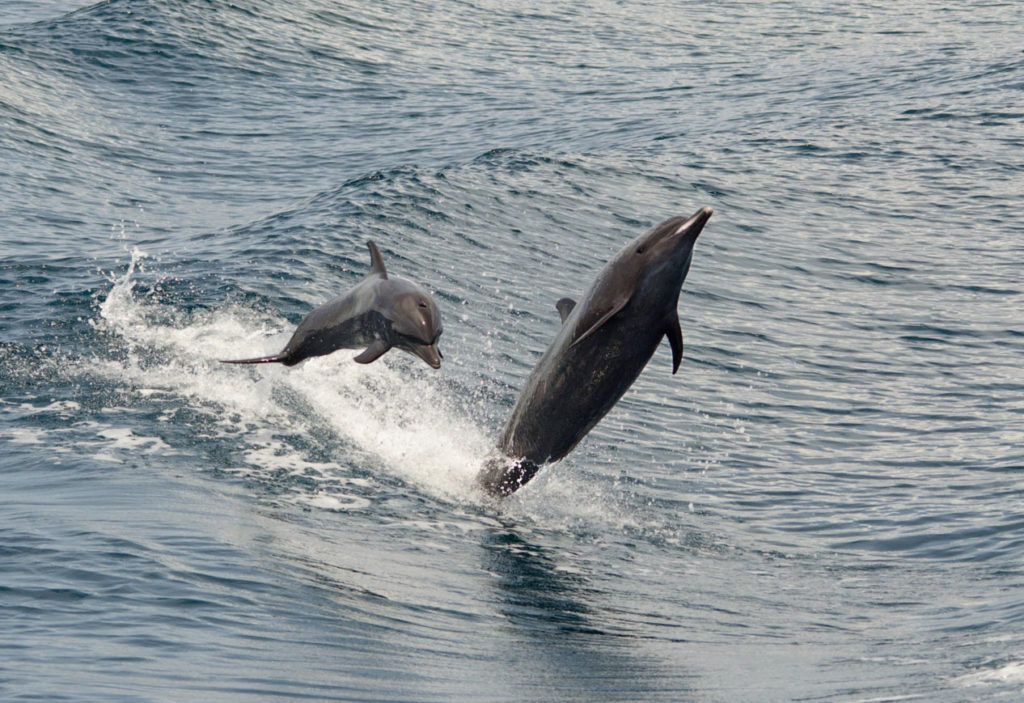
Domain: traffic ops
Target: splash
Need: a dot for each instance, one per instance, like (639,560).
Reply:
(389,416)
(393,420)
(998,672)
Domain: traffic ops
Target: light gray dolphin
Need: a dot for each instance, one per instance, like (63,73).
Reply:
(379,313)
(603,345)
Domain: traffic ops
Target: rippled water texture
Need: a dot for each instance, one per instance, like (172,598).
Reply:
(824,504)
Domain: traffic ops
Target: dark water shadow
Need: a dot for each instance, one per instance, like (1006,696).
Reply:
(561,642)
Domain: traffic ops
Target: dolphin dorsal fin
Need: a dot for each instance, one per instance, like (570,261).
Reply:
(675,338)
(376,262)
(564,307)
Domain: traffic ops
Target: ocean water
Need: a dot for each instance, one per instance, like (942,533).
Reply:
(824,504)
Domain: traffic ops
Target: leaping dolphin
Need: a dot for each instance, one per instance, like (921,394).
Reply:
(379,313)
(603,345)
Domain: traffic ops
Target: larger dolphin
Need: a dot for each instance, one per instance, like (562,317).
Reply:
(379,313)
(604,343)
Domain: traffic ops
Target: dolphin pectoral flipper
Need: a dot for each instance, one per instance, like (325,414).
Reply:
(675,338)
(564,307)
(373,352)
(616,307)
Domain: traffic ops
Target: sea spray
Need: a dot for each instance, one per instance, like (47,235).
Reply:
(399,415)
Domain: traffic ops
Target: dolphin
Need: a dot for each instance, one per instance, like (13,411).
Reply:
(603,344)
(379,313)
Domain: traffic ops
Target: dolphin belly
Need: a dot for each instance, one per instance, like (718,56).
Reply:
(351,333)
(573,388)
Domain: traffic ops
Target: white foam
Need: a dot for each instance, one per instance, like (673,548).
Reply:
(391,411)
(64,408)
(1008,673)
(101,442)
(337,503)
(25,436)
(404,420)
(123,438)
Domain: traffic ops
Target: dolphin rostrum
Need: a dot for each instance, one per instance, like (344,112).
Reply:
(604,343)
(379,313)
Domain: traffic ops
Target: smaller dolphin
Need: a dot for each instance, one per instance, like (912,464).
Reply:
(604,344)
(379,313)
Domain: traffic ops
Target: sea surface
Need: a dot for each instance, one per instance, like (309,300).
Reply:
(826,503)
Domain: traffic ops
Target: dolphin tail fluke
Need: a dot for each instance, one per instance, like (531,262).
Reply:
(276,358)
(501,476)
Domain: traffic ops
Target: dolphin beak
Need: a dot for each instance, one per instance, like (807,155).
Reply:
(691,228)
(429,353)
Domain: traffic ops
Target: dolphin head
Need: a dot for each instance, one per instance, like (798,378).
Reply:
(657,261)
(669,244)
(416,322)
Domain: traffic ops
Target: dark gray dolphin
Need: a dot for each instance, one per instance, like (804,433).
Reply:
(604,343)
(379,313)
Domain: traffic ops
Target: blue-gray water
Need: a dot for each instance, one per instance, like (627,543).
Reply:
(824,504)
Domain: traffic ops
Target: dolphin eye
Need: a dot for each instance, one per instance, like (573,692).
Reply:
(641,249)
